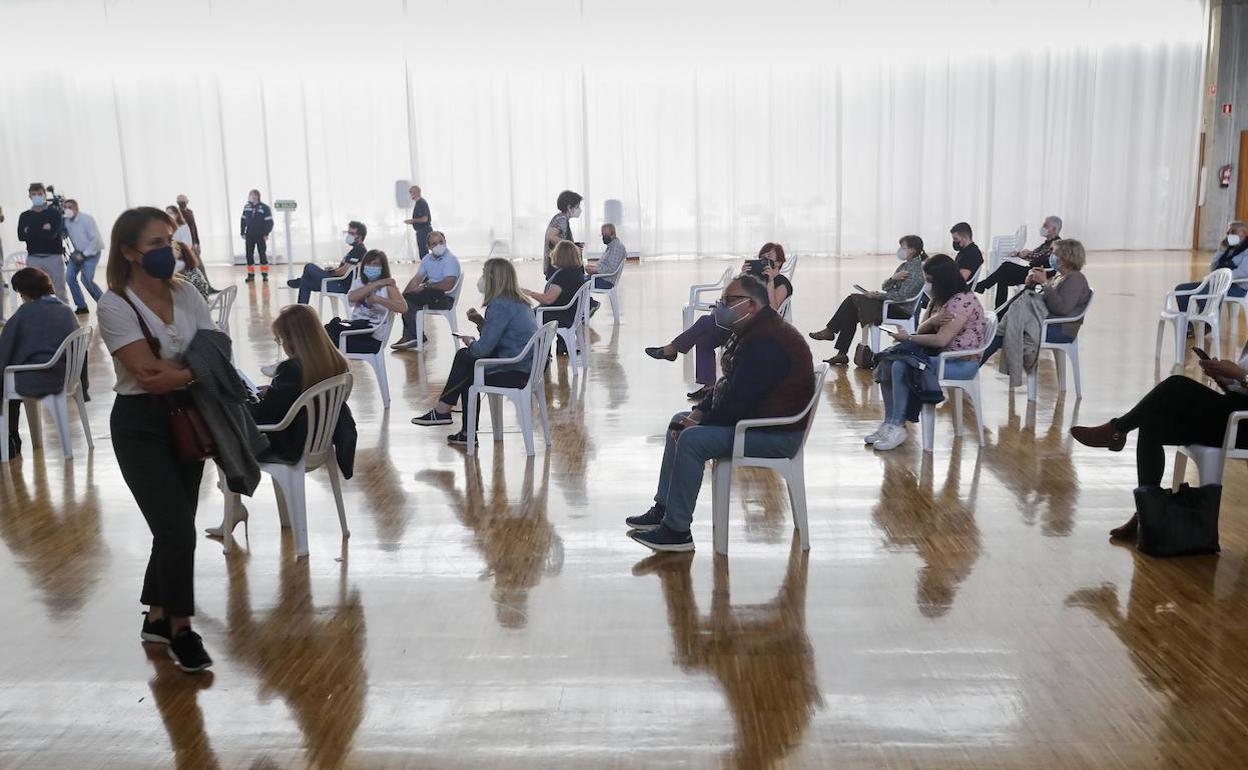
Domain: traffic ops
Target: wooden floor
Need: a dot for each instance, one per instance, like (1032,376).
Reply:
(958,609)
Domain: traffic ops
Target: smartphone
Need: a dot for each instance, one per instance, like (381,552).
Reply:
(860,289)
(754,266)
(1201,354)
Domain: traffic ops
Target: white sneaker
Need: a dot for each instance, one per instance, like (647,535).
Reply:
(871,438)
(893,437)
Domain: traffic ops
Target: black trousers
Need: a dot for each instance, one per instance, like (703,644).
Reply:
(422,240)
(419,300)
(460,380)
(257,243)
(845,320)
(1176,412)
(1006,275)
(167,492)
(356,343)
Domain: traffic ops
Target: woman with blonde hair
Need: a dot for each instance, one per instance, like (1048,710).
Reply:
(310,360)
(506,327)
(563,283)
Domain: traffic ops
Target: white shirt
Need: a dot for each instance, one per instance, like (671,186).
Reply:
(84,234)
(119,327)
(372,312)
(183,233)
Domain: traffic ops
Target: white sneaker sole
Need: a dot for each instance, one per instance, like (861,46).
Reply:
(152,638)
(666,547)
(641,527)
(188,669)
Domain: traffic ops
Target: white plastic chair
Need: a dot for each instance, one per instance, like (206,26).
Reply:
(576,336)
(1061,351)
(927,416)
(907,323)
(1211,460)
(791,469)
(538,347)
(334,296)
(220,307)
(448,314)
(786,310)
(73,351)
(10,264)
(376,360)
(1004,245)
(1233,305)
(790,268)
(696,302)
(1211,291)
(323,402)
(612,293)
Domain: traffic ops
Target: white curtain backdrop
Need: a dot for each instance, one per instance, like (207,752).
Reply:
(832,127)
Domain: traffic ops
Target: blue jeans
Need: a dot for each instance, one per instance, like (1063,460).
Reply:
(87,270)
(1054,334)
(311,279)
(1181,301)
(896,391)
(684,461)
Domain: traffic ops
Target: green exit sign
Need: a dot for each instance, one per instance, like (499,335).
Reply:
(285,205)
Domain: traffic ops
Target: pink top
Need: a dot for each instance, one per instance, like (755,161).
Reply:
(965,305)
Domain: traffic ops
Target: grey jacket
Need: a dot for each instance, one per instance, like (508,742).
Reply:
(1020,331)
(221,398)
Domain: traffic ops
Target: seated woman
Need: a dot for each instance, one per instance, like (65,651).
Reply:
(311,359)
(704,336)
(31,336)
(1177,412)
(506,327)
(191,269)
(1065,296)
(954,321)
(859,309)
(373,293)
(562,285)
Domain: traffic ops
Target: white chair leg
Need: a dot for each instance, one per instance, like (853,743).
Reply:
(686,317)
(292,485)
(1073,353)
(383,382)
(470,423)
(795,477)
(957,411)
(973,393)
(524,409)
(81,404)
(927,424)
(59,406)
(1215,329)
(336,485)
(721,493)
(34,421)
(874,335)
(1180,339)
(614,294)
(1161,331)
(1059,364)
(420,330)
(496,415)
(450,317)
(1032,382)
(1180,470)
(540,392)
(283,510)
(4,428)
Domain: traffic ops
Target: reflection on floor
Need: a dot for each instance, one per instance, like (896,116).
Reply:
(957,609)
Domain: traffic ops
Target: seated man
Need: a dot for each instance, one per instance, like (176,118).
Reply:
(768,372)
(969,256)
(1014,269)
(1232,254)
(439,270)
(612,257)
(313,275)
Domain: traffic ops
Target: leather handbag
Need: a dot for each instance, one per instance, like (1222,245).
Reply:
(189,433)
(864,357)
(1178,523)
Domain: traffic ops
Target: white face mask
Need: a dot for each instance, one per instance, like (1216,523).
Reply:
(575,212)
(903,253)
(1232,239)
(349,238)
(481,284)
(438,250)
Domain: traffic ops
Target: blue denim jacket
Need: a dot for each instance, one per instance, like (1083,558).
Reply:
(508,326)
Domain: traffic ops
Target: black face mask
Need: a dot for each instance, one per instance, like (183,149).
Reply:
(606,239)
(956,247)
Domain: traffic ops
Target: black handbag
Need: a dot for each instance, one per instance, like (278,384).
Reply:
(1178,523)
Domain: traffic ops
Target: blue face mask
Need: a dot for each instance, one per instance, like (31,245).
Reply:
(372,272)
(160,262)
(1053,262)
(726,316)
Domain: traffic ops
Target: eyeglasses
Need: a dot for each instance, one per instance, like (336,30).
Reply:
(731,297)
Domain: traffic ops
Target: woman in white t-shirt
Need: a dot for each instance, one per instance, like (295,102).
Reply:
(142,292)
(372,295)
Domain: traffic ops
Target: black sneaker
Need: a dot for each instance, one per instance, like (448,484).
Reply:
(457,439)
(249,279)
(81,311)
(15,445)
(700,393)
(294,283)
(155,631)
(432,417)
(265,276)
(664,539)
(650,520)
(187,650)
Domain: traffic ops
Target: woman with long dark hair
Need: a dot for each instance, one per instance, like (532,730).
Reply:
(147,318)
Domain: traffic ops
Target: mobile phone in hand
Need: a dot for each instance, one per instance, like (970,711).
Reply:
(1201,354)
(860,289)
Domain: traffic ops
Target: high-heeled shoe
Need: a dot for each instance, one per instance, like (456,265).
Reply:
(219,530)
(659,353)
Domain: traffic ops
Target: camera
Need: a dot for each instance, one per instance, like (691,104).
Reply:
(755,267)
(55,200)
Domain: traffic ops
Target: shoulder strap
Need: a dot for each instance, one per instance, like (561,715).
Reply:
(152,342)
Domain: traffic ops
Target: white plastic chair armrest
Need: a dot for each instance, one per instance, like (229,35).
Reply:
(30,367)
(1232,430)
(1240,282)
(478,366)
(738,435)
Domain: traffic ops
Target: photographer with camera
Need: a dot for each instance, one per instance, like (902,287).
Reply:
(706,336)
(84,236)
(40,227)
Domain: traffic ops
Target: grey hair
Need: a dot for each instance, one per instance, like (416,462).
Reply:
(1055,220)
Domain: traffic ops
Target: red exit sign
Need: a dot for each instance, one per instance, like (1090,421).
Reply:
(1226,109)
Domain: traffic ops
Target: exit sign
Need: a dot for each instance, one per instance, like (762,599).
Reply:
(285,205)
(1226,109)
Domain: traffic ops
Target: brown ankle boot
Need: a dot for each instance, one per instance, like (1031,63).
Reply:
(1126,531)
(1102,436)
(823,334)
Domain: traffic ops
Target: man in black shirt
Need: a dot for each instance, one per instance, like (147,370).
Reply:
(313,275)
(41,229)
(421,220)
(255,226)
(969,256)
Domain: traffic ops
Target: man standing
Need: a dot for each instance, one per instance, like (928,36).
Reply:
(189,216)
(40,227)
(84,236)
(421,221)
(313,275)
(256,224)
(439,270)
(767,372)
(969,256)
